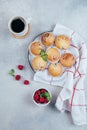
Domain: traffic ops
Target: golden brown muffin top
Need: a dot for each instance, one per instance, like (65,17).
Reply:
(67,56)
(47,38)
(55,69)
(36,48)
(67,60)
(53,54)
(63,37)
(62,42)
(38,63)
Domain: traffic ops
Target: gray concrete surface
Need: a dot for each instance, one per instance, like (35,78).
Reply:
(17,111)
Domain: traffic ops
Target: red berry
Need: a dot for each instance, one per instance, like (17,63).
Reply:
(17,77)
(26,82)
(42,100)
(20,67)
(46,100)
(36,98)
(38,92)
(43,90)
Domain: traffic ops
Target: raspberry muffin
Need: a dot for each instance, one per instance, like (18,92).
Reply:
(38,63)
(55,69)
(47,39)
(53,54)
(62,42)
(67,60)
(36,48)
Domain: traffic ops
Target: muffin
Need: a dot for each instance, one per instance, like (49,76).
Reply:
(67,60)
(47,39)
(36,48)
(55,69)
(62,42)
(53,54)
(38,63)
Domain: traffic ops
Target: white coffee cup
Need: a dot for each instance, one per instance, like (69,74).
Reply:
(23,33)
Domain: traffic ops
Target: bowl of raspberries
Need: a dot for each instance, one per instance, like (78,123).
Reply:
(42,97)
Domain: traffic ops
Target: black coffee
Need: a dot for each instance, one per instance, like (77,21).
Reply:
(17,25)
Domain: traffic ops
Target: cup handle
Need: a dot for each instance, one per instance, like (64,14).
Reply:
(29,19)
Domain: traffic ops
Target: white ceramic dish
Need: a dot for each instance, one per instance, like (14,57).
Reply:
(41,104)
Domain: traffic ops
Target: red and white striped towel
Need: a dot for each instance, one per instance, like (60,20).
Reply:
(72,96)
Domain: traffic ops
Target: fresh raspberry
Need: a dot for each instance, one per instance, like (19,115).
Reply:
(38,92)
(36,98)
(20,67)
(17,77)
(26,82)
(43,90)
(46,100)
(42,99)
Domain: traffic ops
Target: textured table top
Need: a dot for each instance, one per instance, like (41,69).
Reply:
(17,111)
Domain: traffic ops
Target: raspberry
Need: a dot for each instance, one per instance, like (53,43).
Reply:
(43,90)
(38,92)
(42,100)
(46,100)
(26,82)
(20,67)
(17,77)
(36,98)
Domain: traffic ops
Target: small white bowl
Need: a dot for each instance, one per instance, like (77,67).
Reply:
(41,104)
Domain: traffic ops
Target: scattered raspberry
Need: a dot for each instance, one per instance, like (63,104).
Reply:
(42,100)
(26,82)
(17,77)
(20,67)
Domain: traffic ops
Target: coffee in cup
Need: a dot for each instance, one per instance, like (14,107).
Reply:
(19,27)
